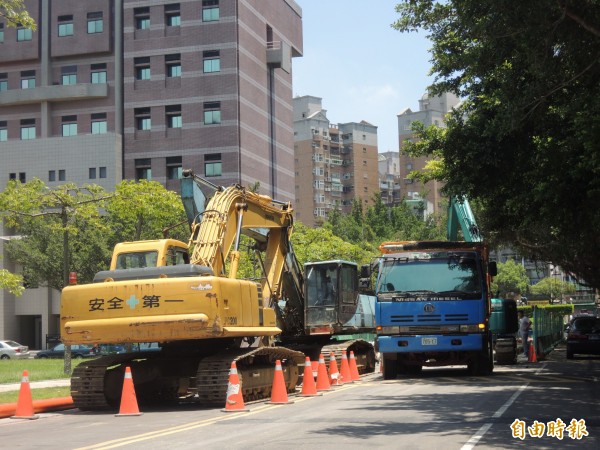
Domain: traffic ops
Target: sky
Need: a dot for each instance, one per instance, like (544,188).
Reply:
(359,65)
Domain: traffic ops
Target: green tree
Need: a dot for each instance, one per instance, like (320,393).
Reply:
(552,288)
(15,14)
(511,278)
(61,231)
(320,244)
(11,282)
(524,140)
(91,220)
(142,210)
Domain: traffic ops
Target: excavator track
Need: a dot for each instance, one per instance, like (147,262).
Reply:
(256,369)
(96,384)
(88,382)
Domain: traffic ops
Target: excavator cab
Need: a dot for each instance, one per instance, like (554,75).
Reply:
(332,301)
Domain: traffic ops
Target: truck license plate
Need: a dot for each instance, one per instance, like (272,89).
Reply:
(429,341)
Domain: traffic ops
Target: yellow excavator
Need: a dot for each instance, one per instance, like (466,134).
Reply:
(188,298)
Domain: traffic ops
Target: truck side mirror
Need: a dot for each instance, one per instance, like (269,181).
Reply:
(365,271)
(492,268)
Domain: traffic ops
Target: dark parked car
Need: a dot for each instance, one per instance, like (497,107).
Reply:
(77,352)
(583,336)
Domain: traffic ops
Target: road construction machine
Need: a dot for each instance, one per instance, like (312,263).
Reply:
(191,300)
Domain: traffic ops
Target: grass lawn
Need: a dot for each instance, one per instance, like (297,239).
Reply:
(36,394)
(11,371)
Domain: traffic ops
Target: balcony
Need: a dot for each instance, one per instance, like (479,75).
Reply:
(56,93)
(279,55)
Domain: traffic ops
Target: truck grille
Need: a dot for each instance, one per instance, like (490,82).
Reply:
(429,318)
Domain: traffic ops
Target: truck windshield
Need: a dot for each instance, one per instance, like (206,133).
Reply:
(420,273)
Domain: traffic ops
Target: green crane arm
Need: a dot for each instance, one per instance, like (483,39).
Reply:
(459,213)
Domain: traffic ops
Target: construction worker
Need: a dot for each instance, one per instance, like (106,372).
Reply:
(524,326)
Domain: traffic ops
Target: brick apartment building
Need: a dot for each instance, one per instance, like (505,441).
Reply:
(335,163)
(111,89)
(432,111)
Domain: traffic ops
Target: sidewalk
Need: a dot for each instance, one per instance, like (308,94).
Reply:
(36,384)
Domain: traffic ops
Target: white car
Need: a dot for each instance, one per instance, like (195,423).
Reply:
(12,349)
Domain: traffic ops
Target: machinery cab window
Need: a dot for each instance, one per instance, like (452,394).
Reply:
(137,260)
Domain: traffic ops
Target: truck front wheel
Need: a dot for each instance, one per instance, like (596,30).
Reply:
(390,367)
(482,364)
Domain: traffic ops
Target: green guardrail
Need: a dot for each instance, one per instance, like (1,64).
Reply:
(548,322)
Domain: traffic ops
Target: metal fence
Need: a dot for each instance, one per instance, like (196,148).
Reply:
(548,329)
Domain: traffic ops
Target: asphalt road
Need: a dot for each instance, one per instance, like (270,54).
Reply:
(440,409)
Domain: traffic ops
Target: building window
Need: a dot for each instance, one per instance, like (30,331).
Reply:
(92,173)
(172,15)
(52,175)
(1,33)
(143,171)
(99,123)
(69,126)
(212,113)
(3,131)
(174,167)
(102,172)
(142,119)
(173,116)
(212,61)
(3,82)
(22,177)
(142,68)
(95,23)
(210,10)
(27,79)
(12,176)
(65,26)
(142,18)
(212,165)
(62,175)
(24,34)
(68,75)
(98,73)
(27,129)
(173,65)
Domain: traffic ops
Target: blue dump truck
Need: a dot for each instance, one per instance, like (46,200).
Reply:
(433,306)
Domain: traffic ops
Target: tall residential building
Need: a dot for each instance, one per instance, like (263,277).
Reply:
(432,111)
(334,163)
(141,89)
(389,178)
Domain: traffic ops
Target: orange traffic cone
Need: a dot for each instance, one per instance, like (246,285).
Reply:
(334,374)
(129,405)
(322,376)
(353,367)
(279,391)
(315,368)
(345,369)
(309,388)
(25,403)
(234,400)
(532,355)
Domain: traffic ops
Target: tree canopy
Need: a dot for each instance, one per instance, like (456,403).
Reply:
(552,288)
(524,142)
(511,279)
(92,220)
(15,14)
